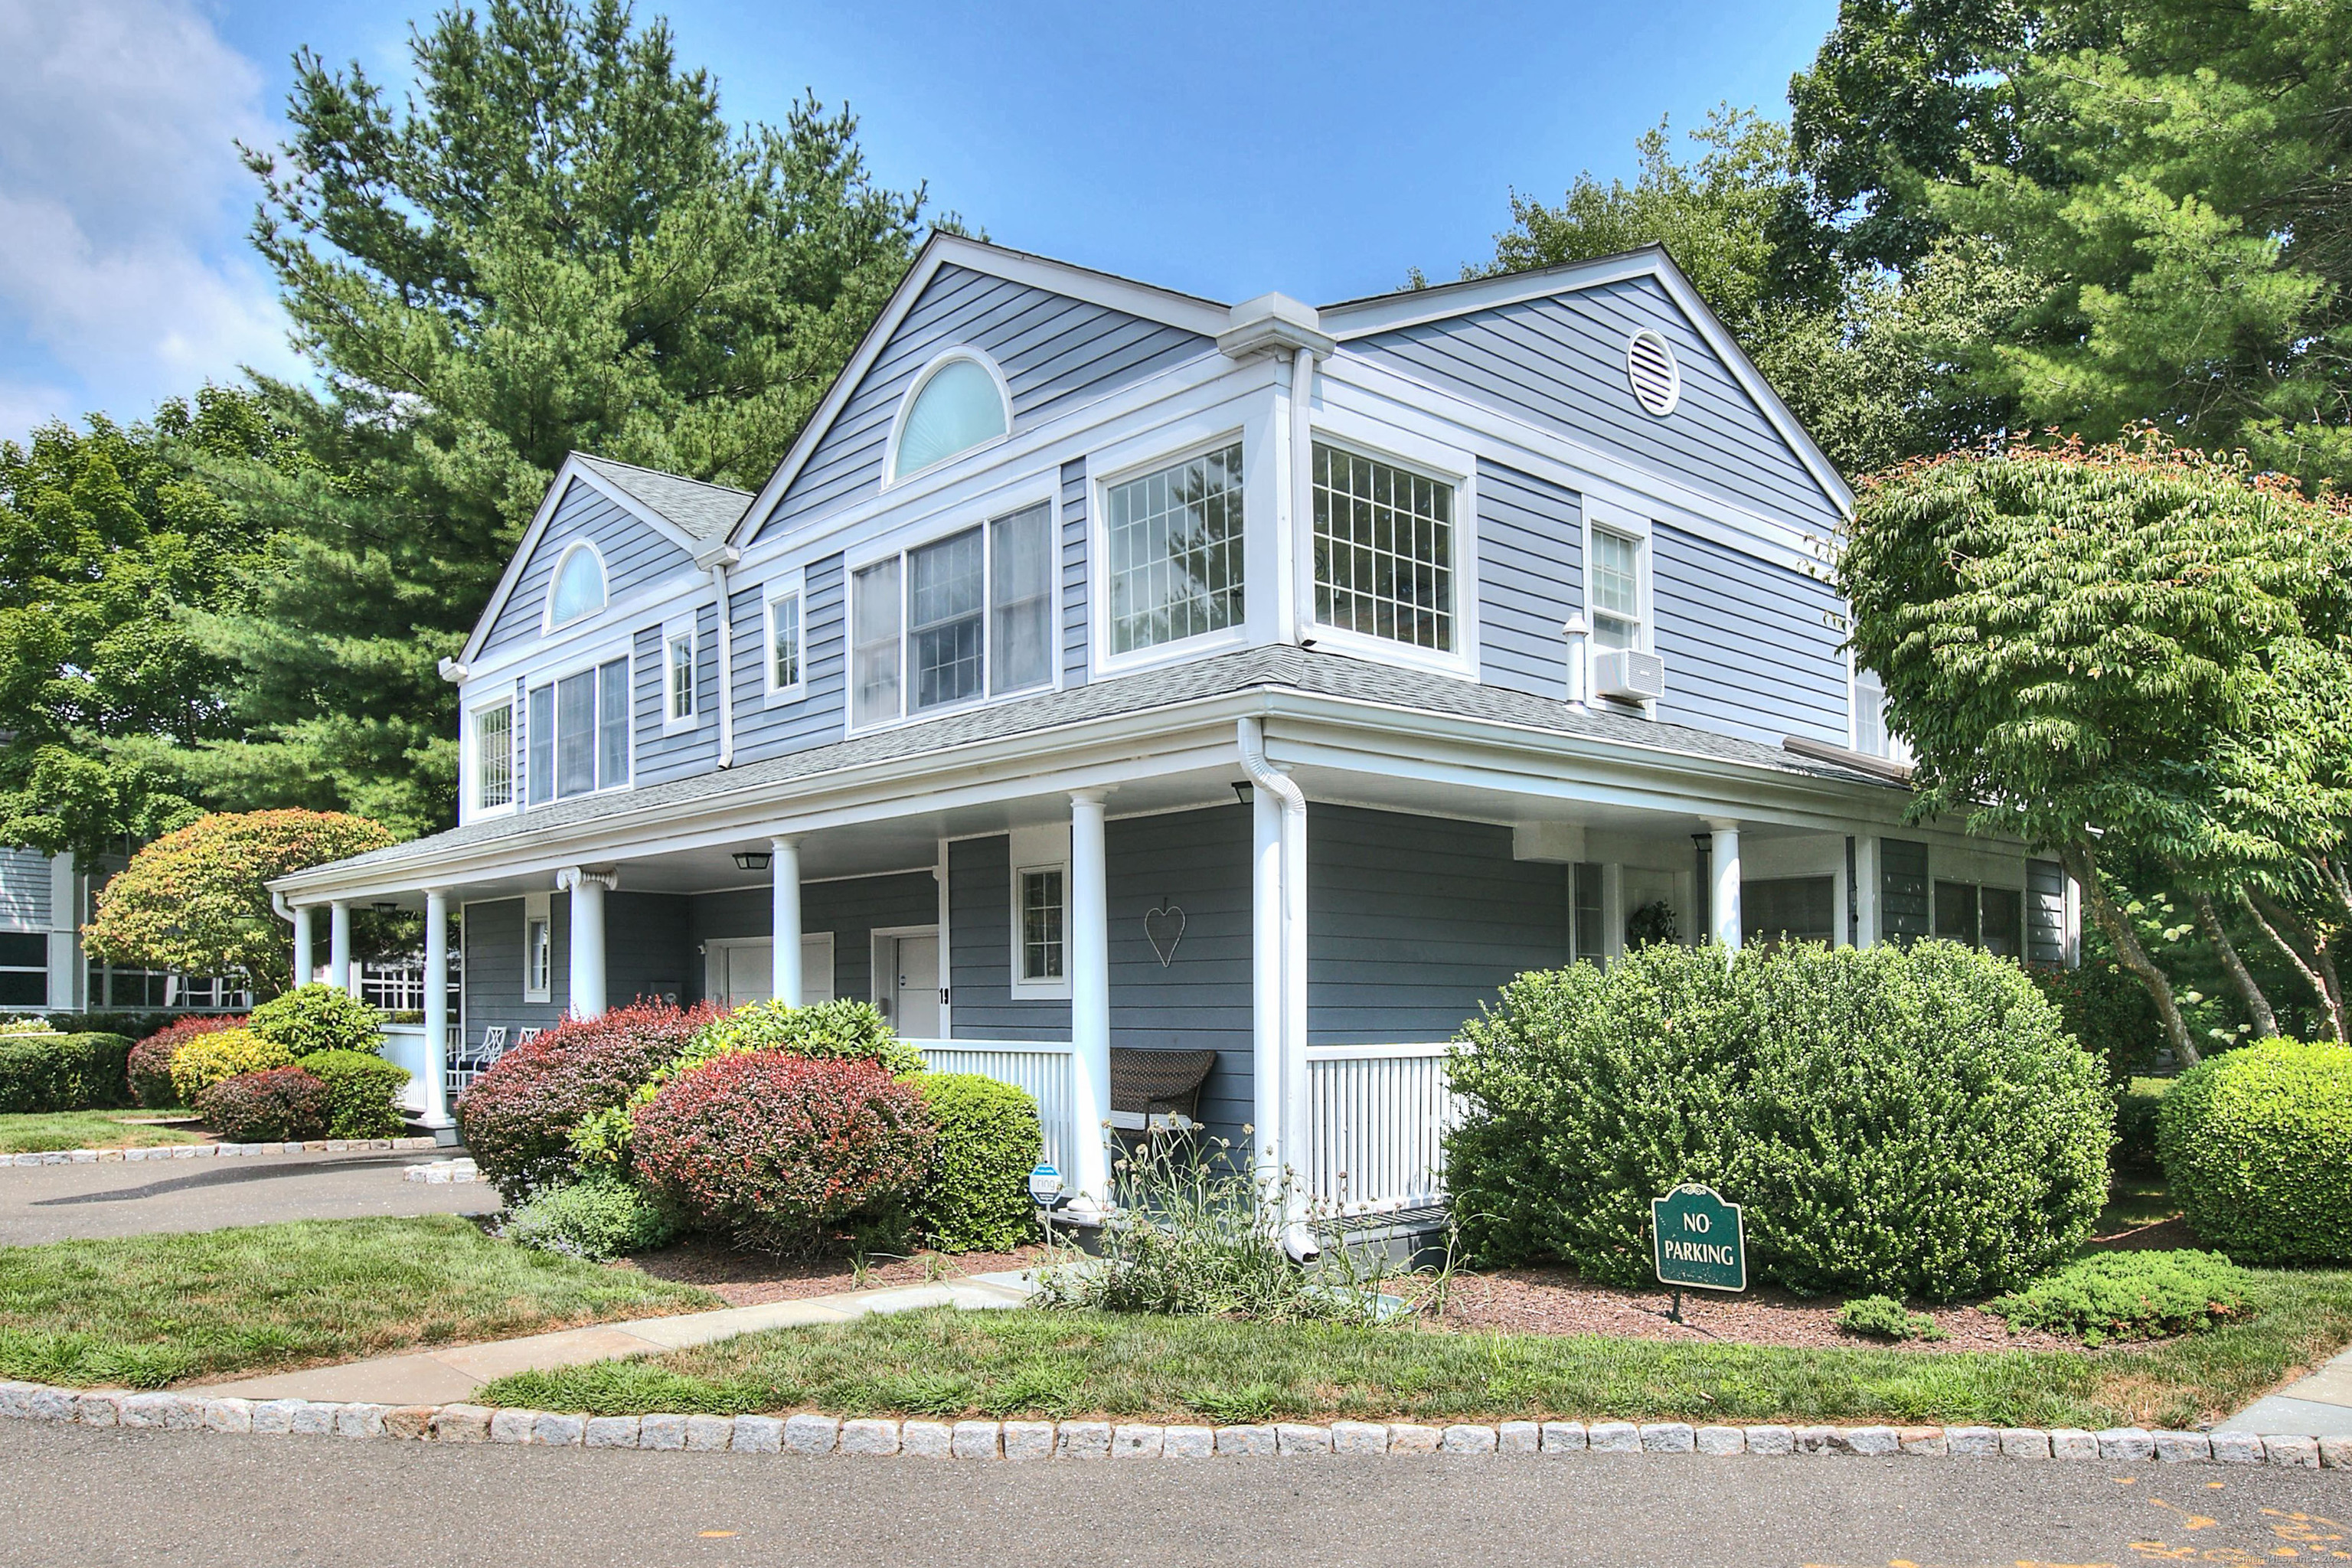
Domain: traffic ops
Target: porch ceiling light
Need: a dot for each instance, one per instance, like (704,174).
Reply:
(1245,791)
(753,859)
(385,906)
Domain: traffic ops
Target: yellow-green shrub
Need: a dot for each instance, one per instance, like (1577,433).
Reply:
(212,1058)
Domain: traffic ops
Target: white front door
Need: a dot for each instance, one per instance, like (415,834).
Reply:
(908,983)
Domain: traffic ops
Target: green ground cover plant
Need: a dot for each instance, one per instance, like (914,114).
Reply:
(40,1132)
(148,1311)
(2130,1295)
(600,1216)
(1884,1318)
(1067,1364)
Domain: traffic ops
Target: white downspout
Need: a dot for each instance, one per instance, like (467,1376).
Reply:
(726,667)
(1288,1022)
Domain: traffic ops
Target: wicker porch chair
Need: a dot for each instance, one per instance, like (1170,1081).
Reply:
(1146,1084)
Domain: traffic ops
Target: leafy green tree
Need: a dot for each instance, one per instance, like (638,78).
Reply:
(554,241)
(2090,649)
(197,900)
(109,542)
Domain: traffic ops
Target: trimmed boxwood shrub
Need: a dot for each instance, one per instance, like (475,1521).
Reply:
(1910,1121)
(778,1151)
(318,1017)
(151,1058)
(207,1059)
(598,1217)
(517,1119)
(2257,1149)
(63,1072)
(275,1105)
(976,1197)
(359,1089)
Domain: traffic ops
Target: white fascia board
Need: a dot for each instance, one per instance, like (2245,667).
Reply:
(573,470)
(1385,393)
(1165,306)
(619,619)
(1391,312)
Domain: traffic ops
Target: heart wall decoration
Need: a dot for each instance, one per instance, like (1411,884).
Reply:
(1165,926)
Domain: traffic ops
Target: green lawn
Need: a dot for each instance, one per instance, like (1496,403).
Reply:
(38,1131)
(153,1310)
(1044,1363)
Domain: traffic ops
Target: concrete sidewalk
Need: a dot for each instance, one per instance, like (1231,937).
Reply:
(451,1375)
(2320,1405)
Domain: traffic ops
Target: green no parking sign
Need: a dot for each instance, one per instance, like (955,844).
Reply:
(1696,1240)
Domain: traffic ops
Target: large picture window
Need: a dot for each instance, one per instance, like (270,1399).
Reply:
(969,614)
(494,756)
(1174,542)
(1384,550)
(579,729)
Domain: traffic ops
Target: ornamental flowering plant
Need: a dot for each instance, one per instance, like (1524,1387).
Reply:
(517,1119)
(151,1058)
(272,1106)
(780,1152)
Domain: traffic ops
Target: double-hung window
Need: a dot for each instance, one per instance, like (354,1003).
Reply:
(1616,590)
(579,728)
(1041,925)
(784,641)
(538,948)
(677,675)
(1040,858)
(1175,543)
(955,618)
(494,762)
(1384,551)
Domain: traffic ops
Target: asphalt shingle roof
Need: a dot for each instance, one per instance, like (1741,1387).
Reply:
(1279,667)
(704,510)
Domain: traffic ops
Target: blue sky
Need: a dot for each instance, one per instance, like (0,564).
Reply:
(1223,148)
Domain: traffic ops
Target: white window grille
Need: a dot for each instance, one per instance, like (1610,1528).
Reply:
(784,642)
(494,756)
(1616,590)
(945,618)
(1042,917)
(678,659)
(1175,545)
(1384,550)
(538,948)
(977,616)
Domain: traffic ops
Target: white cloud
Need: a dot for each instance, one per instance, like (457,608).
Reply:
(122,206)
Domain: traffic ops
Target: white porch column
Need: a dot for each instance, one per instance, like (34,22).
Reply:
(785,894)
(1267,997)
(301,944)
(587,888)
(1723,899)
(1613,910)
(1865,890)
(339,944)
(1089,937)
(436,1008)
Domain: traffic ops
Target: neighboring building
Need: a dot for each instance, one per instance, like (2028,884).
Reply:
(44,900)
(1108,667)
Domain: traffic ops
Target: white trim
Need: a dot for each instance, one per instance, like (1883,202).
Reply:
(875,937)
(1451,467)
(716,951)
(547,621)
(1674,397)
(621,645)
(538,907)
(1042,846)
(1183,311)
(469,753)
(680,628)
(792,585)
(1166,447)
(922,378)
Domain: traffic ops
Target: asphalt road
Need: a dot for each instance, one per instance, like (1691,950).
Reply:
(79,1496)
(55,1203)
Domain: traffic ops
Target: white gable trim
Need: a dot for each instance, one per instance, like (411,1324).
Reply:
(572,472)
(1163,305)
(1392,312)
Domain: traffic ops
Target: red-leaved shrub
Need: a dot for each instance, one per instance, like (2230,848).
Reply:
(514,1117)
(151,1058)
(275,1105)
(777,1150)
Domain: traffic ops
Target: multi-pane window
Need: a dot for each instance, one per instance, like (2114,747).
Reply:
(1041,925)
(977,616)
(678,659)
(537,956)
(1384,550)
(494,756)
(1175,546)
(24,969)
(784,641)
(1616,590)
(579,733)
(1990,918)
(1788,908)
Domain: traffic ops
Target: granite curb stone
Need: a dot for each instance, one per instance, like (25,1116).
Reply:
(211,1151)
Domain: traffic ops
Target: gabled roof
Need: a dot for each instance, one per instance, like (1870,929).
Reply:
(1187,312)
(1353,319)
(688,513)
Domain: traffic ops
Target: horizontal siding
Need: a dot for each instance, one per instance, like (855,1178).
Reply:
(648,950)
(1415,923)
(1530,579)
(24,889)
(1054,351)
(1748,647)
(980,951)
(493,969)
(635,556)
(1560,361)
(770,726)
(660,756)
(1076,636)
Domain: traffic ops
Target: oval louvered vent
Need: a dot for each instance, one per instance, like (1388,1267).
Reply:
(1657,380)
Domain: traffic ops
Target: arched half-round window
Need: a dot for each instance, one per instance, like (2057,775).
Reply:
(958,405)
(578,585)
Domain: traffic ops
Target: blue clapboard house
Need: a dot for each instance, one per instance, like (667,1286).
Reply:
(1108,672)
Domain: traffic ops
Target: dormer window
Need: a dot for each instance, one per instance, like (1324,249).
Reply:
(956,404)
(579,588)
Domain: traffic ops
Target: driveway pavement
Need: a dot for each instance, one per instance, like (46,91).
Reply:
(190,1499)
(56,1202)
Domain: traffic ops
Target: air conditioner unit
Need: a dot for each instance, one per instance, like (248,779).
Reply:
(1629,675)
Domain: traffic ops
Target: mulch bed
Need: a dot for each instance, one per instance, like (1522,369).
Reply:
(752,1279)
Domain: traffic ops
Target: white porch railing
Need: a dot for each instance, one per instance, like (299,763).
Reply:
(1040,1068)
(1376,1119)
